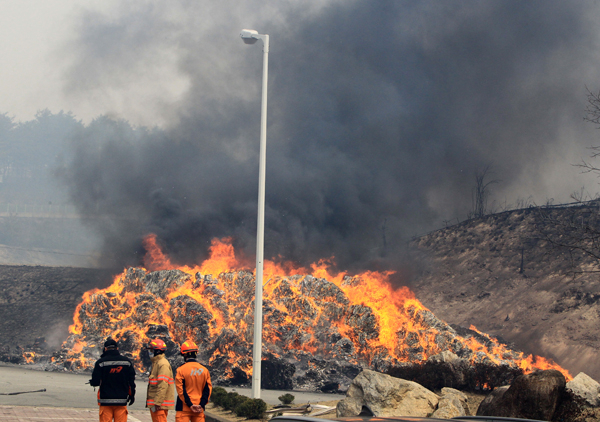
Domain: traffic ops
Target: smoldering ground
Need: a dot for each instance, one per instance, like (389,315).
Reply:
(380,114)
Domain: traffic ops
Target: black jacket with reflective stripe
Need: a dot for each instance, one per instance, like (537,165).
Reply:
(116,377)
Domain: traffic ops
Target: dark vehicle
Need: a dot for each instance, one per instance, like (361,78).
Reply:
(291,418)
(493,419)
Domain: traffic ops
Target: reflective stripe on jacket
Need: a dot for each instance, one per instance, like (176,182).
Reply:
(115,376)
(161,385)
(193,385)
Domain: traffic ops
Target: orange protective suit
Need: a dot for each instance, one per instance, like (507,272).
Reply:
(194,387)
(159,415)
(108,413)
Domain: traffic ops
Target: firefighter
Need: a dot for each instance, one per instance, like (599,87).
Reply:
(115,376)
(161,385)
(193,386)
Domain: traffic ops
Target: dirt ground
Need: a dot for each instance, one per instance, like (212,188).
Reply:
(473,401)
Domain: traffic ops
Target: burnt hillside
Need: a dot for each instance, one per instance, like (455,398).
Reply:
(38,302)
(500,274)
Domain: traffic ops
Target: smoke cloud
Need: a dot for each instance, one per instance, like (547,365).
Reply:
(380,114)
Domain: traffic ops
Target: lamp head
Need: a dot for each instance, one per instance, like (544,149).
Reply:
(250,36)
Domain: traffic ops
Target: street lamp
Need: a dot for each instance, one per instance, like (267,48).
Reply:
(250,36)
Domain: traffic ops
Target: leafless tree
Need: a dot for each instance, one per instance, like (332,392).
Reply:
(481,193)
(576,228)
(592,109)
(592,115)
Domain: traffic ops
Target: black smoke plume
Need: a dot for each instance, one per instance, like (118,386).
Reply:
(380,114)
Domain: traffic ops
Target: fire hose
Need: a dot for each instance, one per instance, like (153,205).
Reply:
(23,392)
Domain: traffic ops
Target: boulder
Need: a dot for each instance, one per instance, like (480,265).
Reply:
(452,403)
(453,391)
(384,395)
(462,397)
(486,406)
(531,396)
(585,387)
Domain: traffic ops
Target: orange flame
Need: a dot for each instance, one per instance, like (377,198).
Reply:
(29,357)
(527,363)
(154,259)
(402,330)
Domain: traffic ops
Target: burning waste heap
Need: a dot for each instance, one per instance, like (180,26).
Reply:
(319,330)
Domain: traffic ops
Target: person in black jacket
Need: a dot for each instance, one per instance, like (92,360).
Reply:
(115,376)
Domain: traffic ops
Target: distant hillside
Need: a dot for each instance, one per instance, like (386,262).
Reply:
(39,302)
(499,274)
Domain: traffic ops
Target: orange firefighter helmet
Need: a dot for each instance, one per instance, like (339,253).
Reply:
(157,344)
(188,346)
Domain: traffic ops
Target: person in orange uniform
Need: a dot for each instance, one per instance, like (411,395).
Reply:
(193,386)
(115,376)
(161,385)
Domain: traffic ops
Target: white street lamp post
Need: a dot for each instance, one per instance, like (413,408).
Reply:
(250,36)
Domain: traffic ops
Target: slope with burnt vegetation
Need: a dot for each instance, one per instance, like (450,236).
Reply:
(513,275)
(37,304)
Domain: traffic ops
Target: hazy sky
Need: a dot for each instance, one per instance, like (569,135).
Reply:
(380,112)
(41,41)
(34,37)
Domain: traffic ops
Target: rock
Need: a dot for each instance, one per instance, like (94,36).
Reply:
(532,396)
(449,391)
(449,407)
(384,395)
(452,403)
(585,387)
(485,407)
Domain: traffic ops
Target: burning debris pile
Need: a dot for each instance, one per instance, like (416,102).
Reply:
(319,330)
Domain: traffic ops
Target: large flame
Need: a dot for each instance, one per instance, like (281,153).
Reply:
(393,309)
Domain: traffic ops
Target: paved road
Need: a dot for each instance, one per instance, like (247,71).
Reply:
(60,414)
(64,389)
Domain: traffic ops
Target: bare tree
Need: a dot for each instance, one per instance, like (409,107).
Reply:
(592,115)
(576,228)
(481,193)
(592,109)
